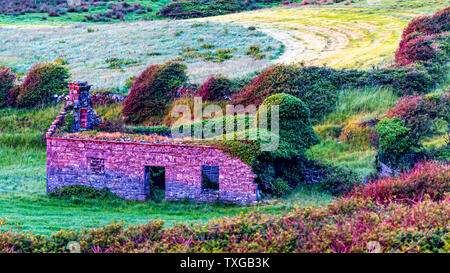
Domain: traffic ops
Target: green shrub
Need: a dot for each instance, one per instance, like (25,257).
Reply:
(194,8)
(404,80)
(82,192)
(279,187)
(7,79)
(338,180)
(159,130)
(41,83)
(394,141)
(152,91)
(295,129)
(68,123)
(295,137)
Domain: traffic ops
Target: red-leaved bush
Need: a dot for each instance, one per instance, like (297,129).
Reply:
(215,88)
(420,39)
(152,91)
(105,97)
(414,48)
(42,82)
(7,79)
(430,178)
(419,112)
(428,25)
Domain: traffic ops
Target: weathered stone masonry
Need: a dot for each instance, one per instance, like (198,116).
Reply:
(120,166)
(76,161)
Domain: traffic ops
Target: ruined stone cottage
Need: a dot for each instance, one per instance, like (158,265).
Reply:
(125,167)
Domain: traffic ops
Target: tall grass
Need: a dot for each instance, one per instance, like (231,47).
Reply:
(26,127)
(370,101)
(113,111)
(353,106)
(13,120)
(343,154)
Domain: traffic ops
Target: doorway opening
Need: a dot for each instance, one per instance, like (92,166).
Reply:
(155,183)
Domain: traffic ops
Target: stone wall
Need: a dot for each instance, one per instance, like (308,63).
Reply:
(120,167)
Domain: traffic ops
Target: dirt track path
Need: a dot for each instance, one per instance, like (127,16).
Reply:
(293,47)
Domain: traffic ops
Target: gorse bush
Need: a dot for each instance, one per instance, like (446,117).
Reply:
(415,48)
(152,91)
(41,83)
(215,88)
(434,24)
(7,79)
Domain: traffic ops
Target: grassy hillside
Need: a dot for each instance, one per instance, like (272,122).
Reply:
(360,35)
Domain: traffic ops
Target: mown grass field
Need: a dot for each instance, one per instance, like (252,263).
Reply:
(87,47)
(362,35)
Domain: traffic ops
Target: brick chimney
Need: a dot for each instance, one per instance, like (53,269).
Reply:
(80,100)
